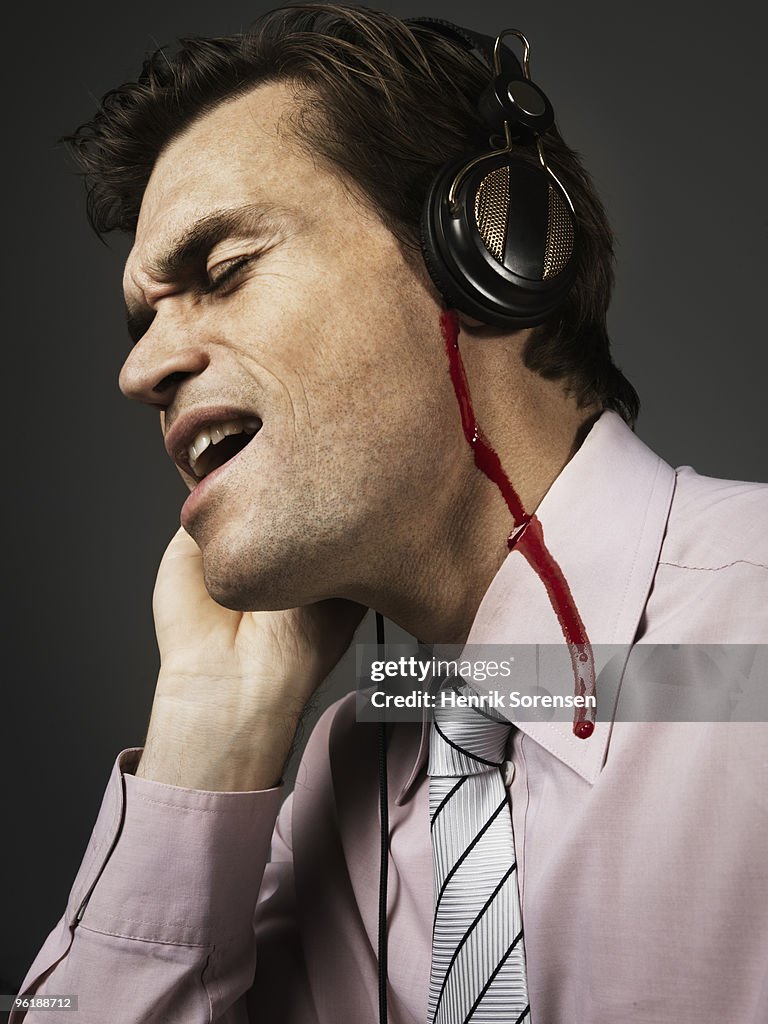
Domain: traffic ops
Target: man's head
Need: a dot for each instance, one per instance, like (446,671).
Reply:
(294,160)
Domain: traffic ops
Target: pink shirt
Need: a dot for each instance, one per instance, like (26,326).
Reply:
(642,851)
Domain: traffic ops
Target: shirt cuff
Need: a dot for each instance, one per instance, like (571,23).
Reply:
(175,865)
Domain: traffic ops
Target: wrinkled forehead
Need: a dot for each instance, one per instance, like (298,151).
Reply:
(241,151)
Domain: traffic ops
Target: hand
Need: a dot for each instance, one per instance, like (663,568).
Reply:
(232,685)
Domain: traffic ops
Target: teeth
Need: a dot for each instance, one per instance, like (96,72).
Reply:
(199,445)
(217,432)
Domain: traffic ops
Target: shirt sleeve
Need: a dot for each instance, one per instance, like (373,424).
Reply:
(159,924)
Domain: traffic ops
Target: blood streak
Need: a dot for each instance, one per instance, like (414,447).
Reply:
(527,535)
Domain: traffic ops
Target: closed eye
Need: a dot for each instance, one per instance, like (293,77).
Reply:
(225,273)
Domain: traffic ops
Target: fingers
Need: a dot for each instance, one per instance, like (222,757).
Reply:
(182,546)
(180,586)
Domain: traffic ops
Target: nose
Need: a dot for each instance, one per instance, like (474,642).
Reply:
(156,366)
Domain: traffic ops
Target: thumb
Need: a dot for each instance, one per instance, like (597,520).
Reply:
(180,587)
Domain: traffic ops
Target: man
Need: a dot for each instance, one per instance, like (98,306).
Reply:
(329,415)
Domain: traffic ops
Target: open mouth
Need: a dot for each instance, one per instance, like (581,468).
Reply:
(218,443)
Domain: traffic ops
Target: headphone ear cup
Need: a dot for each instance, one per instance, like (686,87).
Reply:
(504,251)
(437,271)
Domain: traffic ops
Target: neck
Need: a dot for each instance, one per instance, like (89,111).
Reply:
(519,433)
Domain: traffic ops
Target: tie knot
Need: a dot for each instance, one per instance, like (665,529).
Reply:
(466,741)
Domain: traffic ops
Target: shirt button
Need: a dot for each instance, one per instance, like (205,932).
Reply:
(509,773)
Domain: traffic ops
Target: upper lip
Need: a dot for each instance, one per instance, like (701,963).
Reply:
(184,430)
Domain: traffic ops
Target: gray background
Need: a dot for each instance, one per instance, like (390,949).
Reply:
(662,100)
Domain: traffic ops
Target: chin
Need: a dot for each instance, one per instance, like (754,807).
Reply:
(241,590)
(252,581)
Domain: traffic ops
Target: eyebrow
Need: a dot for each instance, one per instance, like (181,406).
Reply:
(193,245)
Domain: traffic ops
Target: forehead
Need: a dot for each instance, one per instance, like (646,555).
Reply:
(243,150)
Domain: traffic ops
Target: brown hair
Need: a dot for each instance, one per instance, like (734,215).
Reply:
(388,103)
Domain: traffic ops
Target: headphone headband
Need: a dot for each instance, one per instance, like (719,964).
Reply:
(478,45)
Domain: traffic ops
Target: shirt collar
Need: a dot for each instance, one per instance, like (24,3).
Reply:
(603,520)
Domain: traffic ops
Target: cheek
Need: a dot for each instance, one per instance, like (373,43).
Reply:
(387,421)
(382,388)
(360,367)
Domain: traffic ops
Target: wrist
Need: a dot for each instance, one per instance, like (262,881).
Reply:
(217,749)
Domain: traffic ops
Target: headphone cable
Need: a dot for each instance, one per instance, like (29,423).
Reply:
(384,833)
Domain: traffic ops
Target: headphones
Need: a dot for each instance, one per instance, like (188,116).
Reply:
(499,234)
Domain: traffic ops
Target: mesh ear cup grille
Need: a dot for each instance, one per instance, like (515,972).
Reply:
(559,234)
(491,210)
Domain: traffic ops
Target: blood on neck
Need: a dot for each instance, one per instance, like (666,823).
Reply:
(527,535)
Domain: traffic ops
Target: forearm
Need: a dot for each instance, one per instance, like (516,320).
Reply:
(161,910)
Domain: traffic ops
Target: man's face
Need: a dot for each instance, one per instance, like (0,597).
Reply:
(271,302)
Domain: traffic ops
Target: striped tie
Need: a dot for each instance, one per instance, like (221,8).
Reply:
(478,956)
